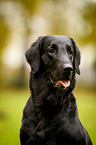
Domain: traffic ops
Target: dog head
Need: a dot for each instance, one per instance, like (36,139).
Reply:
(58,56)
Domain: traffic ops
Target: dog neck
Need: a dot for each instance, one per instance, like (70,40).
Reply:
(41,89)
(39,84)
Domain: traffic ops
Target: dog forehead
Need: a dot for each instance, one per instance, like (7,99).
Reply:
(57,39)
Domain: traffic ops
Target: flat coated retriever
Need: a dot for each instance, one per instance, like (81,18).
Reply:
(50,116)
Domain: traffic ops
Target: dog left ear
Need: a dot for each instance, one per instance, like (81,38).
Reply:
(33,55)
(76,61)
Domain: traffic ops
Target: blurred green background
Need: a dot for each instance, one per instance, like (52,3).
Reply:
(21,23)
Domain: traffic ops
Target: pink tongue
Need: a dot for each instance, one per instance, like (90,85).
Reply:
(65,83)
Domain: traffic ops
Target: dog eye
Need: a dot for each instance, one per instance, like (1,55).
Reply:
(70,52)
(51,50)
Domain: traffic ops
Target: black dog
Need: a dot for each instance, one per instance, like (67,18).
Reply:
(50,116)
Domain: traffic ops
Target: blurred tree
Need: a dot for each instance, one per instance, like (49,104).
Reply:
(4,32)
(89,15)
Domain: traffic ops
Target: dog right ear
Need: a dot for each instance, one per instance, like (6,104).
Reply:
(33,55)
(77,57)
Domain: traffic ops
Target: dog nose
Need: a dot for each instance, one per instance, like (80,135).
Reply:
(67,67)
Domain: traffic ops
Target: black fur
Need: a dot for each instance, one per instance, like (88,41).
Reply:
(50,116)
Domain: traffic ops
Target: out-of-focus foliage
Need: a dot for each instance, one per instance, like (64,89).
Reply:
(30,6)
(3,42)
(3,33)
(23,21)
(89,15)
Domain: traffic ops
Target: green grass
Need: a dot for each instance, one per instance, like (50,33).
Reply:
(87,112)
(11,107)
(12,104)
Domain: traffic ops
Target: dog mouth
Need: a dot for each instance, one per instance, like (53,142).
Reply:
(64,83)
